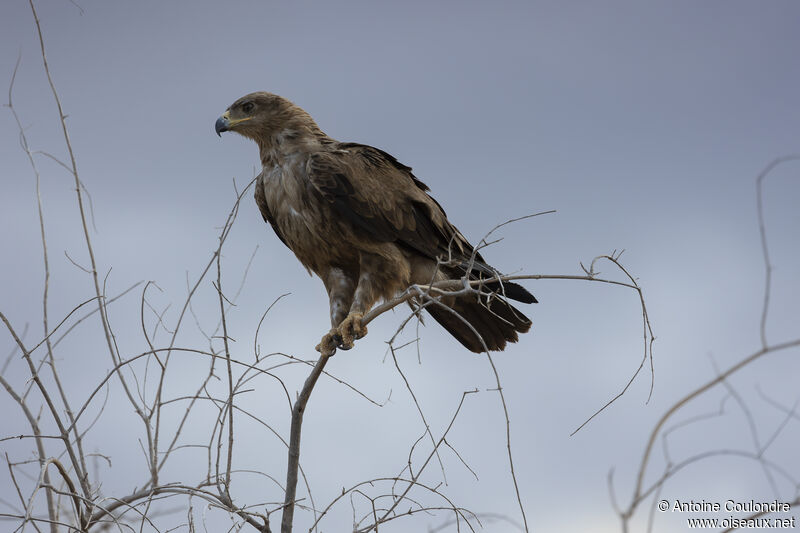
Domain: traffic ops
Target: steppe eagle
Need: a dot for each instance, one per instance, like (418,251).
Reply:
(362,222)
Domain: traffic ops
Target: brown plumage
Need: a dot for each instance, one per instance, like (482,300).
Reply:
(363,223)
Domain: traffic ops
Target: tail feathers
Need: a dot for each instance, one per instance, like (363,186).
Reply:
(497,323)
(513,291)
(510,290)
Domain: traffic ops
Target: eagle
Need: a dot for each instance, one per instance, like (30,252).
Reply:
(368,228)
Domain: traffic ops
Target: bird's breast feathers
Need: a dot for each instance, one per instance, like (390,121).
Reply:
(308,227)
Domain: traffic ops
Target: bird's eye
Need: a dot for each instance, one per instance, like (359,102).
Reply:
(247,107)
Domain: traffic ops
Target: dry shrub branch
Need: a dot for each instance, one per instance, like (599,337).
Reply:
(63,488)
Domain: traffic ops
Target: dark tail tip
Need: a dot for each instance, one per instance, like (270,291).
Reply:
(497,323)
(514,291)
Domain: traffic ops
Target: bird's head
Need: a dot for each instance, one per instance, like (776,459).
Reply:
(262,115)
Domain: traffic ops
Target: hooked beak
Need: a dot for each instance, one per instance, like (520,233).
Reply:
(224,123)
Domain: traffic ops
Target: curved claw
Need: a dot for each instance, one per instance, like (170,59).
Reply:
(337,339)
(351,330)
(329,342)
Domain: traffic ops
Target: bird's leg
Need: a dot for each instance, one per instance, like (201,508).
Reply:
(365,295)
(340,288)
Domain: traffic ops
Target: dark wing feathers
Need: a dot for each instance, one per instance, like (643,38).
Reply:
(379,195)
(377,157)
(373,193)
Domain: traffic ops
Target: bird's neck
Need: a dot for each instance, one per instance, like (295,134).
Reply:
(276,147)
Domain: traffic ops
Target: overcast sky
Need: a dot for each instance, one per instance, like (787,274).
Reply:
(643,124)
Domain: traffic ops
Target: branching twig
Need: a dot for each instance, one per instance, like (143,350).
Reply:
(640,492)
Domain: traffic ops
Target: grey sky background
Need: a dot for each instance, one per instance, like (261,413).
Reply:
(643,124)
